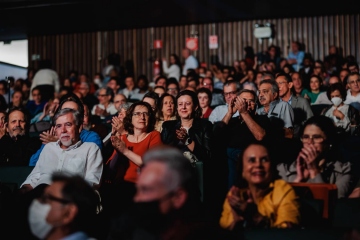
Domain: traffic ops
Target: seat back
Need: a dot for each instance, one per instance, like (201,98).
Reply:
(14,176)
(327,193)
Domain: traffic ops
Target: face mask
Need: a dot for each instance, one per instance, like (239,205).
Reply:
(37,219)
(336,101)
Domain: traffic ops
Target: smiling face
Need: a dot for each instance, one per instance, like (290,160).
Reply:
(256,165)
(185,107)
(66,130)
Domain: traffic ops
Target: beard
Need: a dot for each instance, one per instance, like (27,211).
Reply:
(17,131)
(65,142)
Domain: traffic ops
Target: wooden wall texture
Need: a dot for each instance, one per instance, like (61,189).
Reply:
(86,52)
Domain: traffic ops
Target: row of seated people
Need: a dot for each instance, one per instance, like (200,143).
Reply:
(194,136)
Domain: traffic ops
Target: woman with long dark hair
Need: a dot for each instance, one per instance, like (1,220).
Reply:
(174,69)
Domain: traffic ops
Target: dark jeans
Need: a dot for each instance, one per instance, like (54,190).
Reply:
(233,155)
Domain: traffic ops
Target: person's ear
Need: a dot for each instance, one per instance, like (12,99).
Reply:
(179,198)
(291,84)
(70,214)
(81,127)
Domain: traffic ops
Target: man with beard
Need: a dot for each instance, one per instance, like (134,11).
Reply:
(16,144)
(166,202)
(68,154)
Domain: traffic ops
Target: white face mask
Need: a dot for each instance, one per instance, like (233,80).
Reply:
(37,219)
(336,101)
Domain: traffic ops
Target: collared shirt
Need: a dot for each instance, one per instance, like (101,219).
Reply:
(288,101)
(282,110)
(82,159)
(219,113)
(350,98)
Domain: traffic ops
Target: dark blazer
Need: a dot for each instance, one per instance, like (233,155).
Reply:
(200,132)
(302,112)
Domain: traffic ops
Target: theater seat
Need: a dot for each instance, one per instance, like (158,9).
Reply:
(14,176)
(327,193)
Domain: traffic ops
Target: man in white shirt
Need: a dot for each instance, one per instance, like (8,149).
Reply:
(68,154)
(230,91)
(190,61)
(353,94)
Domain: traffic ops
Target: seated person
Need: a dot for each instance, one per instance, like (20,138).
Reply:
(318,160)
(68,154)
(73,102)
(71,206)
(16,146)
(259,200)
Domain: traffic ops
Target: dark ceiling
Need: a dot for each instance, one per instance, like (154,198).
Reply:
(20,18)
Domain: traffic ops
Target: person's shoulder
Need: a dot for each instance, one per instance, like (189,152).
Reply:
(342,167)
(154,134)
(169,123)
(89,145)
(281,185)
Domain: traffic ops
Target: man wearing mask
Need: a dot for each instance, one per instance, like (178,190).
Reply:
(166,202)
(66,210)
(17,146)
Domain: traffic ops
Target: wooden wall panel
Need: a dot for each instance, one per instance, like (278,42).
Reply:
(86,52)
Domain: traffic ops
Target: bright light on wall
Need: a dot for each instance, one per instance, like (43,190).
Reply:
(15,52)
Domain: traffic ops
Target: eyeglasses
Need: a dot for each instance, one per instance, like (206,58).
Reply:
(140,114)
(264,91)
(353,82)
(171,89)
(48,197)
(230,93)
(280,83)
(249,100)
(316,138)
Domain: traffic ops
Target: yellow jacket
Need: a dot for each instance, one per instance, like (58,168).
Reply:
(280,205)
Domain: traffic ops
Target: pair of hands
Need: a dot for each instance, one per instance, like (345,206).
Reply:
(182,134)
(238,104)
(117,126)
(306,163)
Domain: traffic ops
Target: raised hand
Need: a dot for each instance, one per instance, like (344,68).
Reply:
(117,126)
(48,136)
(181,134)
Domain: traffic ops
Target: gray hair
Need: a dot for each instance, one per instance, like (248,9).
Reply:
(274,86)
(267,76)
(237,84)
(125,106)
(180,171)
(65,111)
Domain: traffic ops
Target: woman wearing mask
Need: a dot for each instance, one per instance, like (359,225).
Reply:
(344,116)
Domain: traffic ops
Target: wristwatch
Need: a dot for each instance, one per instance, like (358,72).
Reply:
(188,141)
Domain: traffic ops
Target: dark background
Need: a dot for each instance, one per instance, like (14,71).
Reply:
(19,18)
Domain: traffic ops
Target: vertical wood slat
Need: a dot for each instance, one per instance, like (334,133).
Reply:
(80,51)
